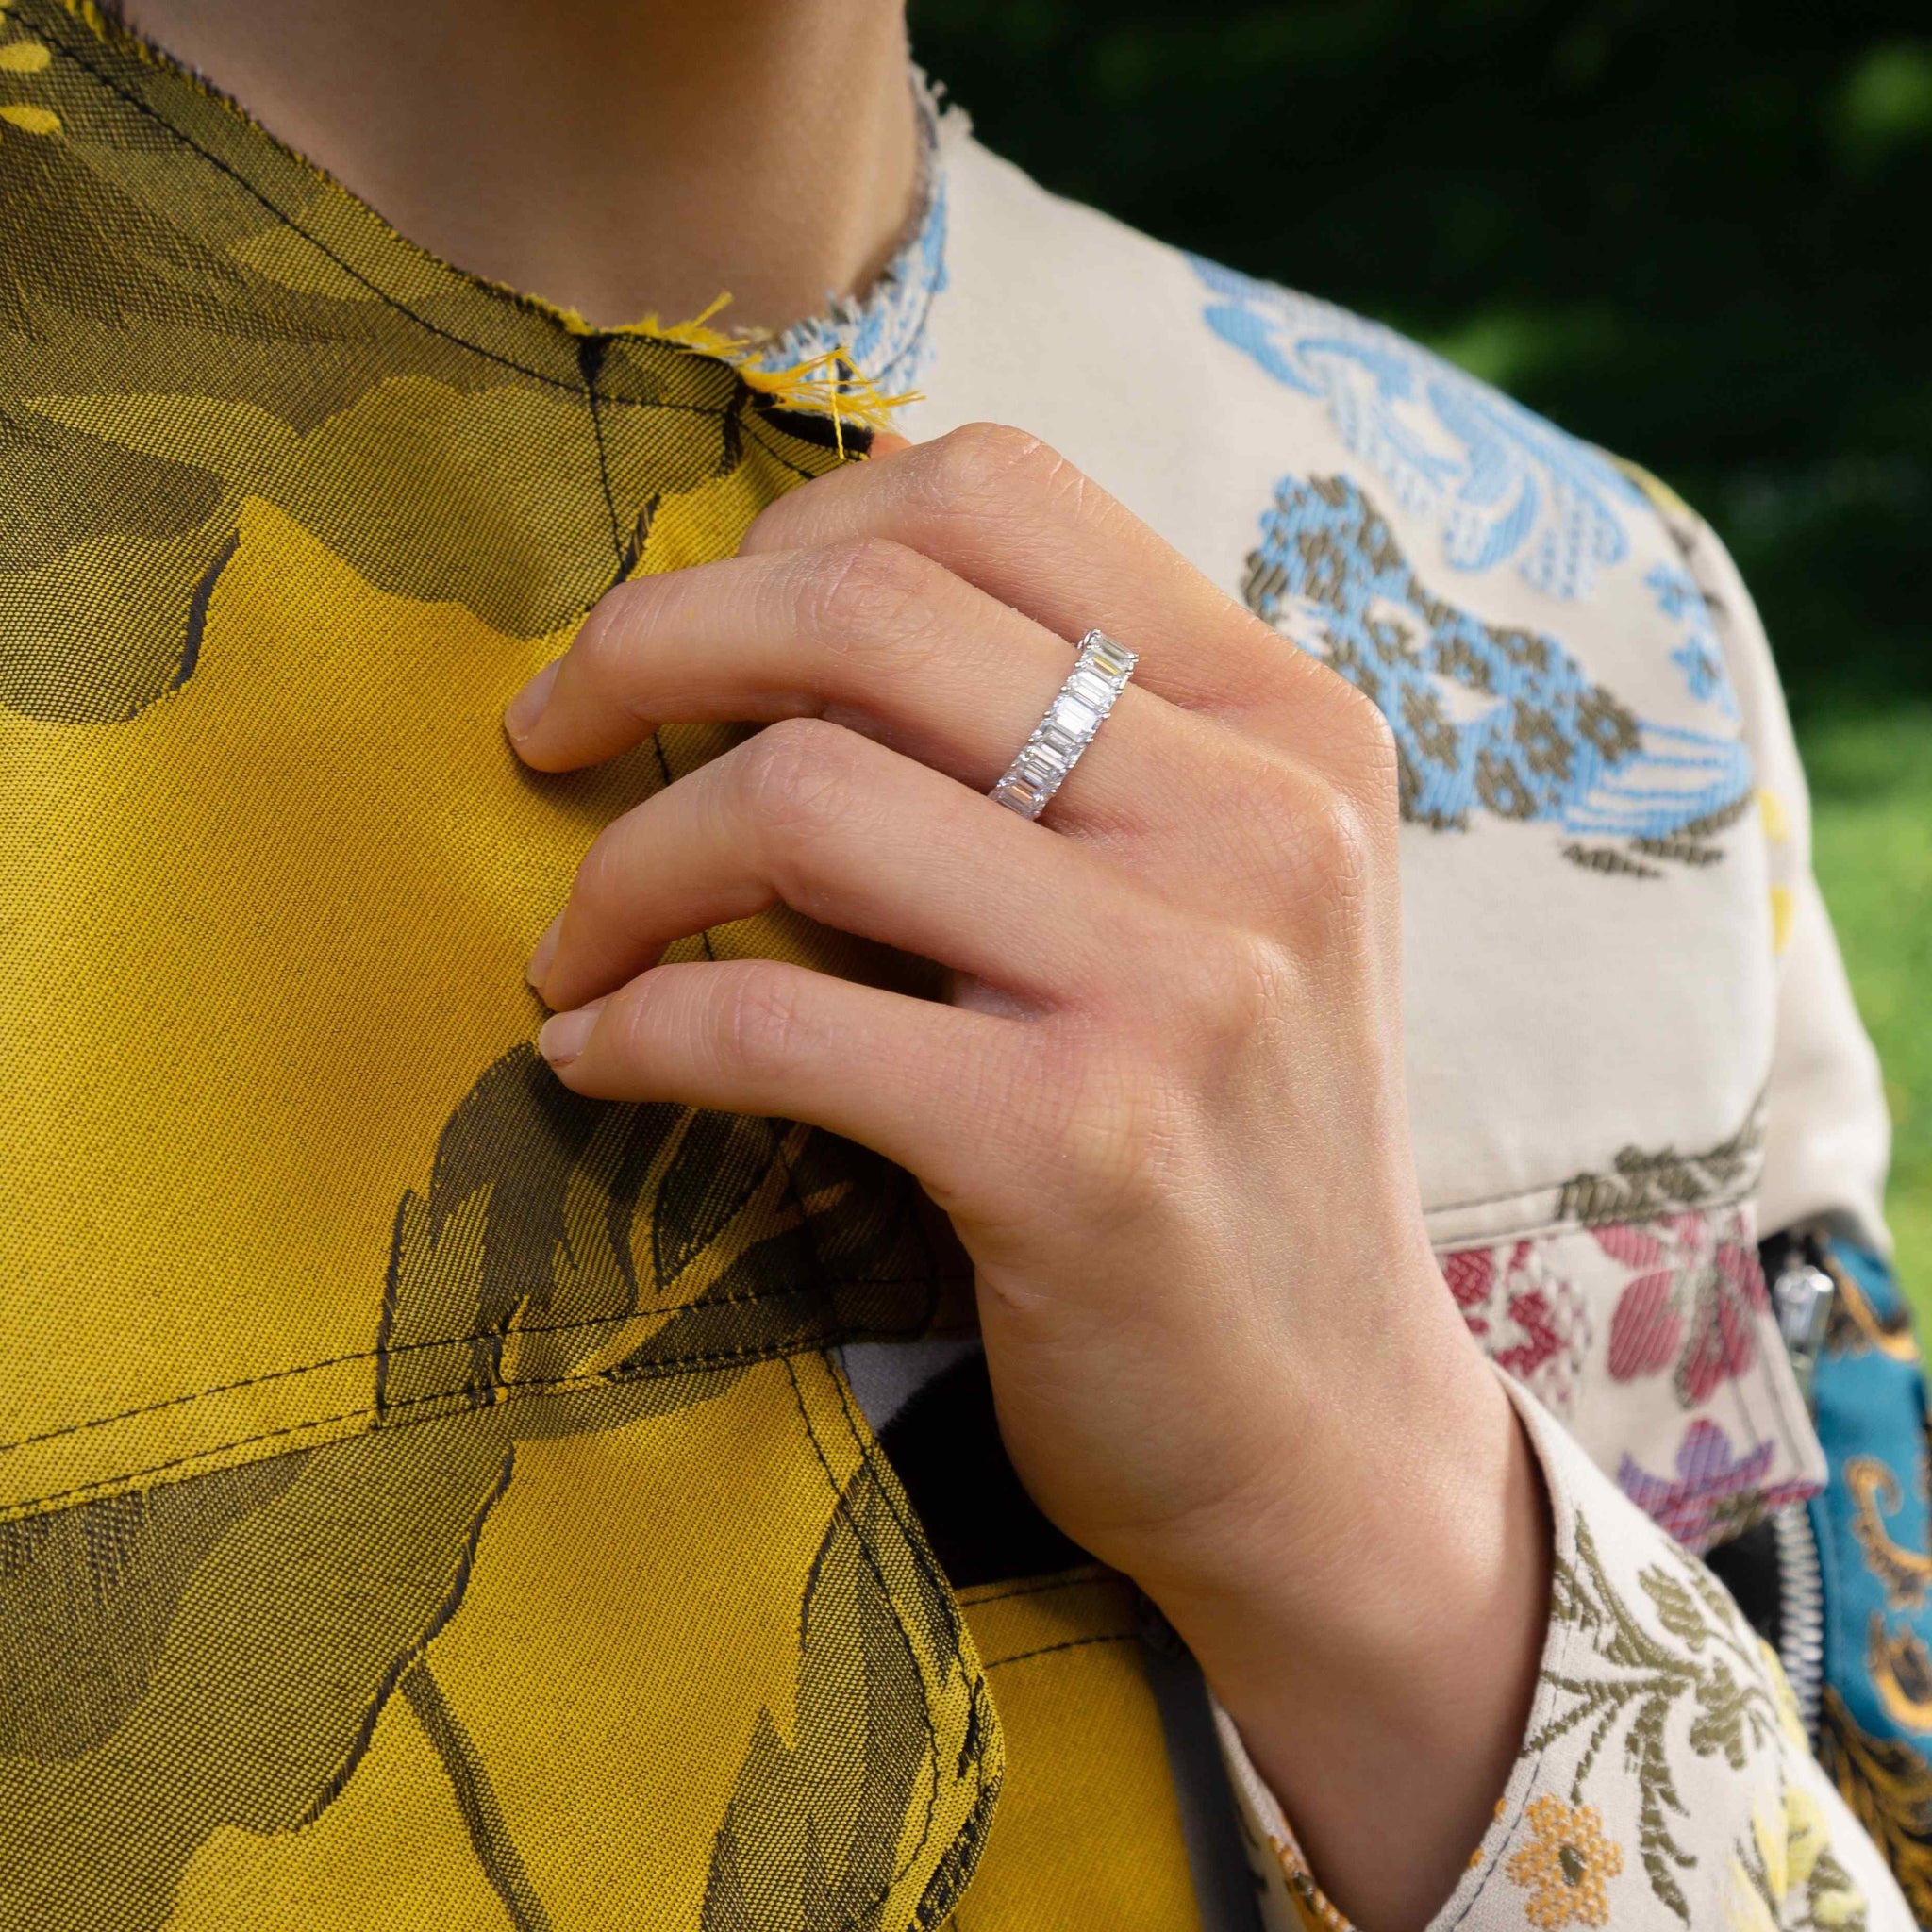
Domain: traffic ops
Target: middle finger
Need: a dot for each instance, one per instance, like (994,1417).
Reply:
(855,837)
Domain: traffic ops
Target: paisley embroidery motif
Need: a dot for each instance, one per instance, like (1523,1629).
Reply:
(1501,484)
(1901,1669)
(1904,1573)
(1486,718)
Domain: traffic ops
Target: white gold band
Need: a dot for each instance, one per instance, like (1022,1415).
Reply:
(1099,675)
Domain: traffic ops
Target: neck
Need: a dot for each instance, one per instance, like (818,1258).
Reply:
(613,156)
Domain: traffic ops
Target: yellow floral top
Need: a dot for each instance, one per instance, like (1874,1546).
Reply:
(432,1500)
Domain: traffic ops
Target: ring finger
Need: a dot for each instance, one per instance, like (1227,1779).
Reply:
(868,634)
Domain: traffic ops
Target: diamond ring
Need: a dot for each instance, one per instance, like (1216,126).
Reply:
(1099,675)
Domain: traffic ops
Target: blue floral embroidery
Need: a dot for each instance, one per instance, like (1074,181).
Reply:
(1485,717)
(1500,483)
(1700,658)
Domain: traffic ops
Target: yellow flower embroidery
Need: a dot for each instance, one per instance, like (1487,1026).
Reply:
(24,56)
(1565,1865)
(1788,1888)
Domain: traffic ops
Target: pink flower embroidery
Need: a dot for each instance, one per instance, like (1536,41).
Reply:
(1691,1303)
(1531,1322)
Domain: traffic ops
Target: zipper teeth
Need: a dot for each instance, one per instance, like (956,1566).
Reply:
(1801,1611)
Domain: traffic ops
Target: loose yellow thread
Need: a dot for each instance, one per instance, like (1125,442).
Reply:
(827,384)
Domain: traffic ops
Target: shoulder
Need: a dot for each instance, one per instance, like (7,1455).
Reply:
(1196,391)
(1338,477)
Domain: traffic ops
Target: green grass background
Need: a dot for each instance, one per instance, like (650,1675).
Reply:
(1871,799)
(1692,233)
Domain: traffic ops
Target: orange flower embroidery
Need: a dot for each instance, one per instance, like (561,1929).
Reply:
(1564,1866)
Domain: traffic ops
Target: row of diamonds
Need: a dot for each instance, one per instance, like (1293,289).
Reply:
(1099,675)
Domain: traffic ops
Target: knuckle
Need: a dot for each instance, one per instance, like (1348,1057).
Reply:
(781,524)
(605,638)
(629,615)
(1363,744)
(1125,1123)
(599,887)
(863,587)
(987,465)
(1339,853)
(758,1017)
(795,774)
(1247,982)
(1323,844)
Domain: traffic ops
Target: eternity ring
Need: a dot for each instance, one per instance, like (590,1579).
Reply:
(1099,675)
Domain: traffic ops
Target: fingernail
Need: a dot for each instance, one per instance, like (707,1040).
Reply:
(521,714)
(564,1037)
(542,954)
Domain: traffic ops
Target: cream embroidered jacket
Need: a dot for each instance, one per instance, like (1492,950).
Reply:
(1632,1048)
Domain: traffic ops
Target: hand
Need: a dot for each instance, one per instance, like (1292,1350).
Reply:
(1162,1104)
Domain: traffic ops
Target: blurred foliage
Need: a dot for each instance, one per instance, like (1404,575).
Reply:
(1871,844)
(1694,233)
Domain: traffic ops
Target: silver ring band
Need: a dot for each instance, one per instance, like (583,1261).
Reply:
(1099,675)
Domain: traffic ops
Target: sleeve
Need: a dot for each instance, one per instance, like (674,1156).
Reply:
(1864,1581)
(1665,1781)
(1827,1134)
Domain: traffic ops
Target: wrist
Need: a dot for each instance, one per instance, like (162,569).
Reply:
(1378,1644)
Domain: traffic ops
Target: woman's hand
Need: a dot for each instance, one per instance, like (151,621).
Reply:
(1163,1106)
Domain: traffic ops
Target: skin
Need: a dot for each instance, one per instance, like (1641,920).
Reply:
(616,156)
(1163,1100)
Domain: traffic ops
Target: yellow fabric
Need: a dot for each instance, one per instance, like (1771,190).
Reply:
(425,1497)
(1088,1830)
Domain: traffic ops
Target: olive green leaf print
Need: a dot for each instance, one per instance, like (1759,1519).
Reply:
(819,1835)
(483,1817)
(191,318)
(1705,1664)
(217,1651)
(263,1660)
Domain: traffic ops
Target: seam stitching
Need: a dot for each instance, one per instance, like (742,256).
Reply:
(454,1406)
(69,53)
(1020,1657)
(365,1355)
(1037,1589)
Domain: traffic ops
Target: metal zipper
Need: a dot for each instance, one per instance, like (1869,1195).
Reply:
(1802,1294)
(1801,1611)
